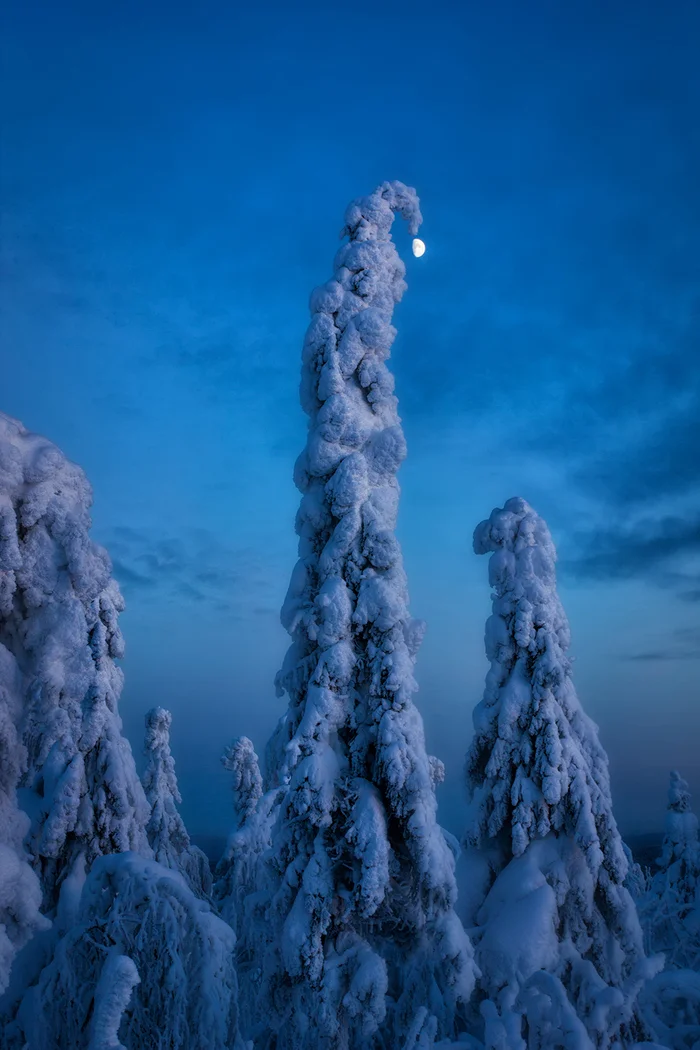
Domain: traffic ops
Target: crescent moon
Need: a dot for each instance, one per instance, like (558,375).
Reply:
(418,247)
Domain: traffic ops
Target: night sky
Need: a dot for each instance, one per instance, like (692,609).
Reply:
(173,179)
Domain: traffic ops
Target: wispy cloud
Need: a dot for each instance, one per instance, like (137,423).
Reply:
(683,644)
(638,550)
(192,566)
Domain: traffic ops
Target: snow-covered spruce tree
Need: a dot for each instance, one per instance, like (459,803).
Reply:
(58,617)
(240,760)
(133,910)
(362,884)
(671,909)
(552,896)
(236,871)
(167,835)
(240,877)
(20,890)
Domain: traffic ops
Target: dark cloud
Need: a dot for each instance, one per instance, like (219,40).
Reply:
(193,566)
(638,550)
(128,578)
(686,584)
(662,463)
(684,644)
(663,655)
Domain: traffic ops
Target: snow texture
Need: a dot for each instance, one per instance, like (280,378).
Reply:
(541,809)
(671,1007)
(362,887)
(167,835)
(671,909)
(237,891)
(59,609)
(20,890)
(237,872)
(136,919)
(117,981)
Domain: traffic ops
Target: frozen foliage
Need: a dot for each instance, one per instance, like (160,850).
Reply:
(671,909)
(636,879)
(20,891)
(361,877)
(135,911)
(167,835)
(236,872)
(671,1007)
(240,760)
(555,898)
(58,617)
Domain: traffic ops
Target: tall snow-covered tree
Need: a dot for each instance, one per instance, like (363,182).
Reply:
(167,834)
(147,963)
(553,896)
(671,908)
(362,888)
(59,608)
(20,890)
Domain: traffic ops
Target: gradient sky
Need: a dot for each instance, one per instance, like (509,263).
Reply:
(173,178)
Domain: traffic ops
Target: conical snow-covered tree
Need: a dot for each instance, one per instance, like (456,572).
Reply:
(20,890)
(363,931)
(680,851)
(671,909)
(236,872)
(141,938)
(167,834)
(58,617)
(553,895)
(239,888)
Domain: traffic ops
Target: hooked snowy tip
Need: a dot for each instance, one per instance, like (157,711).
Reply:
(378,209)
(158,717)
(514,523)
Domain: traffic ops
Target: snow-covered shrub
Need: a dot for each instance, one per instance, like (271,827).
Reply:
(671,908)
(182,952)
(20,891)
(553,897)
(361,878)
(58,617)
(671,1008)
(167,835)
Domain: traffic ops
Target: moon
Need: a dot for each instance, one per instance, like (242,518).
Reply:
(418,247)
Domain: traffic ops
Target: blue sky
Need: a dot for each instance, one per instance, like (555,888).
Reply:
(173,179)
